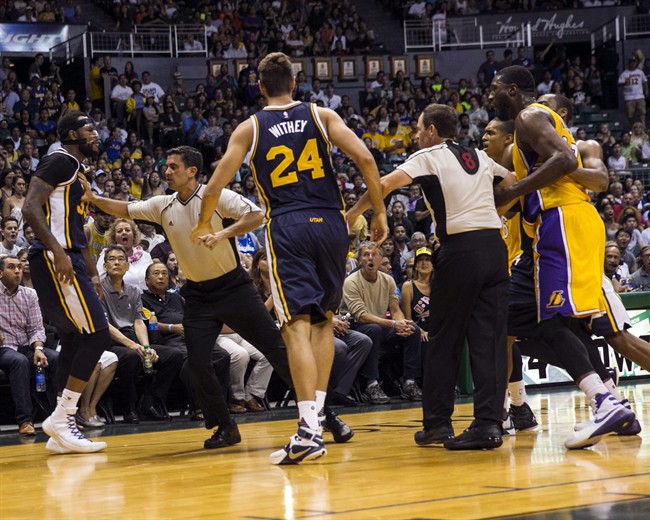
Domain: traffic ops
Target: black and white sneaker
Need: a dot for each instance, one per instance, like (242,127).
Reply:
(306,445)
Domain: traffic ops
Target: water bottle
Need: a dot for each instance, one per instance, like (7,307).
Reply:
(40,378)
(147,364)
(153,322)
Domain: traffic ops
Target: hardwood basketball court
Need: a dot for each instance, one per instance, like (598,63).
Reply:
(380,473)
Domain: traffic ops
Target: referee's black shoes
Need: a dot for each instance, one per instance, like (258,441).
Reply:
(333,424)
(437,435)
(477,437)
(223,436)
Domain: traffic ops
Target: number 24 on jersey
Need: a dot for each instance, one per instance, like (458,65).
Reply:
(308,161)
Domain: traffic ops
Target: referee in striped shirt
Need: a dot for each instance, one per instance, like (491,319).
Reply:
(469,291)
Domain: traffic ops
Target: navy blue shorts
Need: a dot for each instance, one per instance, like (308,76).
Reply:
(70,307)
(306,253)
(522,303)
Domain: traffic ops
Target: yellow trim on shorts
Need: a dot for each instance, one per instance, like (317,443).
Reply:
(89,319)
(276,277)
(48,262)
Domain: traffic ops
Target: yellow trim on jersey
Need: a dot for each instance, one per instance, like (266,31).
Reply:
(276,277)
(48,262)
(267,203)
(48,212)
(66,202)
(89,318)
(312,108)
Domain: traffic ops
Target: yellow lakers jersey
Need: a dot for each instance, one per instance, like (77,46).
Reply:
(563,191)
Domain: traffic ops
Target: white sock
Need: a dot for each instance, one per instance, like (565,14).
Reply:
(320,399)
(69,399)
(505,401)
(307,410)
(517,392)
(372,383)
(592,385)
(611,388)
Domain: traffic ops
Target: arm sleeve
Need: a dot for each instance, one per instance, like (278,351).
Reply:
(394,297)
(352,298)
(150,209)
(419,164)
(234,206)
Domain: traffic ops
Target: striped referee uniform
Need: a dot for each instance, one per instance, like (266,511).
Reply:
(469,292)
(217,291)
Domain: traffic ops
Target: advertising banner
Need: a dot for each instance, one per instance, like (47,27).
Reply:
(539,373)
(562,26)
(31,38)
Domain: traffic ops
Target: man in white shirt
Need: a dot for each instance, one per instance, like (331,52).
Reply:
(150,88)
(417,9)
(191,44)
(316,92)
(635,90)
(331,100)
(9,231)
(119,96)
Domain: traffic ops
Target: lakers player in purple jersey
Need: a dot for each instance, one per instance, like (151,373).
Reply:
(569,239)
(64,274)
(307,240)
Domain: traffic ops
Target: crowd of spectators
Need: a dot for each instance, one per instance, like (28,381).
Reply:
(427,8)
(54,11)
(254,28)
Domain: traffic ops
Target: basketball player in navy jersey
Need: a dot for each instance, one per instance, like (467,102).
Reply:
(65,276)
(307,238)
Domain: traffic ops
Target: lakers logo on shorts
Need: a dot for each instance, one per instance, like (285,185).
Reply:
(556,300)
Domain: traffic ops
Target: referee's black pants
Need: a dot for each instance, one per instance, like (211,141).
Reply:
(469,299)
(231,299)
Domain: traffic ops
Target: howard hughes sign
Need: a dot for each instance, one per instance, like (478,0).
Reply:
(32,38)
(565,25)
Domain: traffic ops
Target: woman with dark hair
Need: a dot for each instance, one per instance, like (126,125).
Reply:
(123,192)
(7,177)
(153,185)
(129,72)
(171,262)
(248,187)
(27,275)
(261,279)
(14,204)
(416,292)
(388,249)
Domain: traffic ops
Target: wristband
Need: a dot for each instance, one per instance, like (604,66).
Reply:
(169,327)
(38,348)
